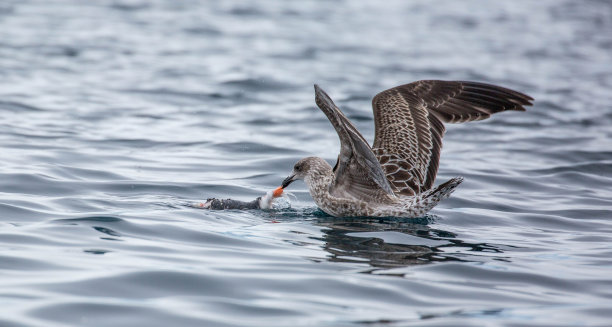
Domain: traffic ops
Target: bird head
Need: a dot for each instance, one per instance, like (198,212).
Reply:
(306,168)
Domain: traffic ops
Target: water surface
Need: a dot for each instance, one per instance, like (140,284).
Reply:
(116,115)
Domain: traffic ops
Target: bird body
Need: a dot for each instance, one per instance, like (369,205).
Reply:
(341,204)
(396,176)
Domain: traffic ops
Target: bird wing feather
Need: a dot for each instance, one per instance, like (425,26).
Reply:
(357,172)
(409,125)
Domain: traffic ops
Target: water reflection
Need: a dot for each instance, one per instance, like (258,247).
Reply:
(386,243)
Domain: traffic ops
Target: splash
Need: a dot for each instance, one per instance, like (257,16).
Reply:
(276,199)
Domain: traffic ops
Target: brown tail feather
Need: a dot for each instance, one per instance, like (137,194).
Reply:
(443,190)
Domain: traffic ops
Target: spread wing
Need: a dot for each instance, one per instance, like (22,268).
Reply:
(357,172)
(409,129)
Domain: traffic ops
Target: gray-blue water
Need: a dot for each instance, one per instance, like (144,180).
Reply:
(116,115)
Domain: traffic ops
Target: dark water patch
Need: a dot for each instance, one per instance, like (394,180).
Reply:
(99,314)
(246,11)
(397,243)
(38,136)
(260,122)
(203,30)
(106,231)
(259,84)
(457,21)
(94,219)
(166,94)
(18,107)
(181,283)
(130,5)
(8,323)
(97,251)
(11,263)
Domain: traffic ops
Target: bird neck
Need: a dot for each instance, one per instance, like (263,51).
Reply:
(318,183)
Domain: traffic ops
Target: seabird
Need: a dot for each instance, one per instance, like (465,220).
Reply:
(395,177)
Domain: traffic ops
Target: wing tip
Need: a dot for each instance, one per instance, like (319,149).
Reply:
(515,96)
(321,98)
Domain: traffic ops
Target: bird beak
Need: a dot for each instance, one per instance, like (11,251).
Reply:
(288,181)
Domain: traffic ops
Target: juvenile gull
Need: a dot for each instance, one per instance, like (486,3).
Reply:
(395,177)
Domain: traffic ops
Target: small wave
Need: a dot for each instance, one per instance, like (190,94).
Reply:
(260,84)
(95,219)
(18,107)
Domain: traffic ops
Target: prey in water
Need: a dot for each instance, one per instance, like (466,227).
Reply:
(261,202)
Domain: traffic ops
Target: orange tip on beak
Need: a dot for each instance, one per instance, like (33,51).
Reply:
(278,192)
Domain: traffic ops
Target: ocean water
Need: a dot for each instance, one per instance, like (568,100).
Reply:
(117,116)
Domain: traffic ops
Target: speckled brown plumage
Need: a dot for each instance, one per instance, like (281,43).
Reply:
(408,122)
(396,177)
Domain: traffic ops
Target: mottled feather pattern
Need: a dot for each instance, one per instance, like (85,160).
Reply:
(396,176)
(409,126)
(358,171)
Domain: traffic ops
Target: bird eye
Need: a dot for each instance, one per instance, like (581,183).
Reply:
(297,167)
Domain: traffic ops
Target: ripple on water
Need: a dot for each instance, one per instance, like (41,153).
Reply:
(130,112)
